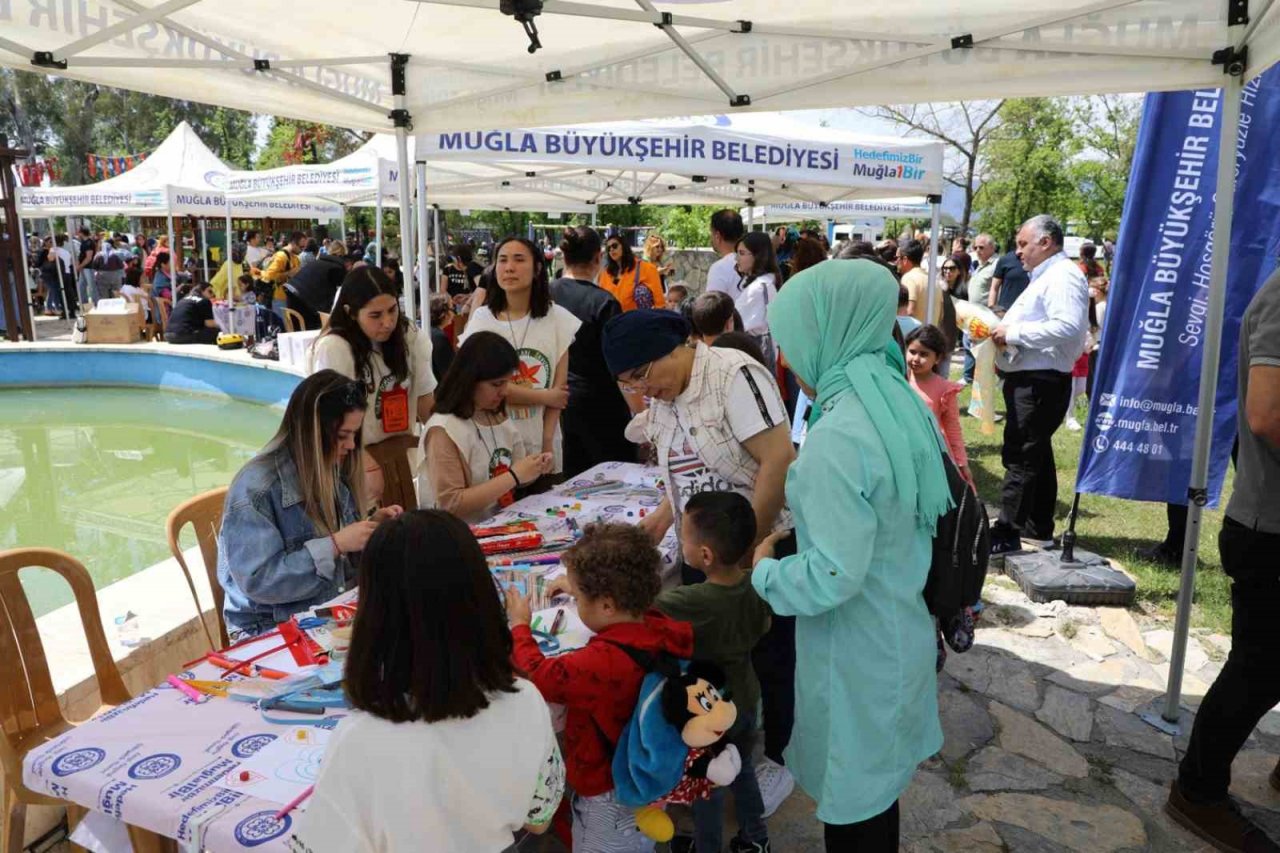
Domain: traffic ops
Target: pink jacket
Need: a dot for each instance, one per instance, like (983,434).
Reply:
(940,396)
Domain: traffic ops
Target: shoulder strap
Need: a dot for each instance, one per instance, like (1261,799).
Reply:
(636,281)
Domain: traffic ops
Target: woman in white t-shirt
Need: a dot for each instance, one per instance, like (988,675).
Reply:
(758,265)
(474,456)
(445,747)
(520,310)
(370,341)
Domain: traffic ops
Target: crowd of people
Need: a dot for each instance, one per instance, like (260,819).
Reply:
(551,377)
(533,366)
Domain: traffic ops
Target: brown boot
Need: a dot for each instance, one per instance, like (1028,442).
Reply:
(1221,824)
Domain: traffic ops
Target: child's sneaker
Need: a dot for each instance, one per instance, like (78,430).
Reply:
(776,784)
(738,845)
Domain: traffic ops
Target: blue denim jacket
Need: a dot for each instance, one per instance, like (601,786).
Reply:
(271,561)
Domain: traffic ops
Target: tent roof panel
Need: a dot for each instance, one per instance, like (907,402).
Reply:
(470,67)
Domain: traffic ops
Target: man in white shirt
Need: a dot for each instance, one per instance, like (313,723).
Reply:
(726,231)
(1039,340)
(254,253)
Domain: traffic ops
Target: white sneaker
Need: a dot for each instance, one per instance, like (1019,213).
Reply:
(1073,424)
(776,784)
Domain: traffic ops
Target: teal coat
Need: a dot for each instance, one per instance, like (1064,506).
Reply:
(866,691)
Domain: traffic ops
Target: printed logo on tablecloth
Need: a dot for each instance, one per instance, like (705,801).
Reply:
(77,760)
(261,827)
(250,744)
(155,766)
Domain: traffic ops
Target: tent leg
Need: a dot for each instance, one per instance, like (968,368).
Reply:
(751,218)
(405,194)
(377,231)
(342,224)
(935,205)
(232,278)
(425,287)
(204,249)
(173,252)
(1210,352)
(435,236)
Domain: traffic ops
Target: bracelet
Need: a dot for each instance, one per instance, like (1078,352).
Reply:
(512,472)
(336,550)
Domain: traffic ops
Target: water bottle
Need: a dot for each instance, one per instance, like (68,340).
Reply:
(127,630)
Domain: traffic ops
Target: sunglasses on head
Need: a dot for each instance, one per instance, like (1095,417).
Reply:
(349,393)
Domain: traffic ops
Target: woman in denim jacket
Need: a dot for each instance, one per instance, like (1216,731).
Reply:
(292,516)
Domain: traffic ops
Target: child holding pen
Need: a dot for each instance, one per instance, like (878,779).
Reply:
(613,574)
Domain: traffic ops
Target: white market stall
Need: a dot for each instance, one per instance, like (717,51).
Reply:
(370,177)
(181,177)
(462,63)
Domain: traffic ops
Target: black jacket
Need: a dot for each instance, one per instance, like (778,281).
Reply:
(317,283)
(590,382)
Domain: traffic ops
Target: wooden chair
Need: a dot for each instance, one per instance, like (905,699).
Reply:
(204,513)
(29,712)
(293,321)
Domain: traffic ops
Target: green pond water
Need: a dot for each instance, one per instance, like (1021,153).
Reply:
(95,472)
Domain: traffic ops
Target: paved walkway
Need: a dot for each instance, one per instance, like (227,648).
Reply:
(1043,750)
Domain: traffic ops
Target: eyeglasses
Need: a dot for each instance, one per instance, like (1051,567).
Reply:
(950,268)
(636,384)
(613,246)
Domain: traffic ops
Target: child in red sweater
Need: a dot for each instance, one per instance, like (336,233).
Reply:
(613,573)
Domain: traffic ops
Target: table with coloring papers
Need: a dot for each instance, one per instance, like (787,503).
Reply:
(214,771)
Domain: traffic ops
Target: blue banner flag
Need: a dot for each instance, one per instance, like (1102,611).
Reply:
(1142,420)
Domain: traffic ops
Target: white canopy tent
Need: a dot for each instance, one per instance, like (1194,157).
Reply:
(838,211)
(461,63)
(703,160)
(181,177)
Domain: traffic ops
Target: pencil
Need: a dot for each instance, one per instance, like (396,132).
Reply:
(295,802)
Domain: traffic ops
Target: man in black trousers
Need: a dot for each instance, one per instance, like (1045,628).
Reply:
(1039,340)
(1249,685)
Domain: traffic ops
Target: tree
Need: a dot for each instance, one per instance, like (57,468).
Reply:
(1026,164)
(689,226)
(1107,126)
(326,143)
(964,126)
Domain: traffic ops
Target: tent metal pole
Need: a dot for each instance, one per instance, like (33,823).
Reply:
(377,230)
(935,204)
(405,194)
(342,224)
(751,217)
(204,249)
(436,238)
(425,287)
(173,250)
(233,280)
(1210,352)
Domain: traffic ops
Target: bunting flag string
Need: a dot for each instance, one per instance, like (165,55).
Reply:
(109,167)
(33,174)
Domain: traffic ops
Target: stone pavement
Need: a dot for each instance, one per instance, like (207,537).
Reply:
(1043,752)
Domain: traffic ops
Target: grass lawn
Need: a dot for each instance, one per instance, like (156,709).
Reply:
(1115,528)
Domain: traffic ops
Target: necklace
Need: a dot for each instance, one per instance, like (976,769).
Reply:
(492,434)
(528,322)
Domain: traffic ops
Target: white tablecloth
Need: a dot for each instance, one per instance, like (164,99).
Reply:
(161,761)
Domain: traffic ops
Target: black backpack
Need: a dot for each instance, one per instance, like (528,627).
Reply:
(961,550)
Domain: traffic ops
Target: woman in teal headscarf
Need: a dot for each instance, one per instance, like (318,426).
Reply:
(866,492)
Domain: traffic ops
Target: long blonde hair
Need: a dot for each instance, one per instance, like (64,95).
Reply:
(655,242)
(309,432)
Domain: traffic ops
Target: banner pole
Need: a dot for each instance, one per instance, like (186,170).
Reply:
(935,205)
(1210,354)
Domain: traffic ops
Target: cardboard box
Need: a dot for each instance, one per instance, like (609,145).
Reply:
(115,327)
